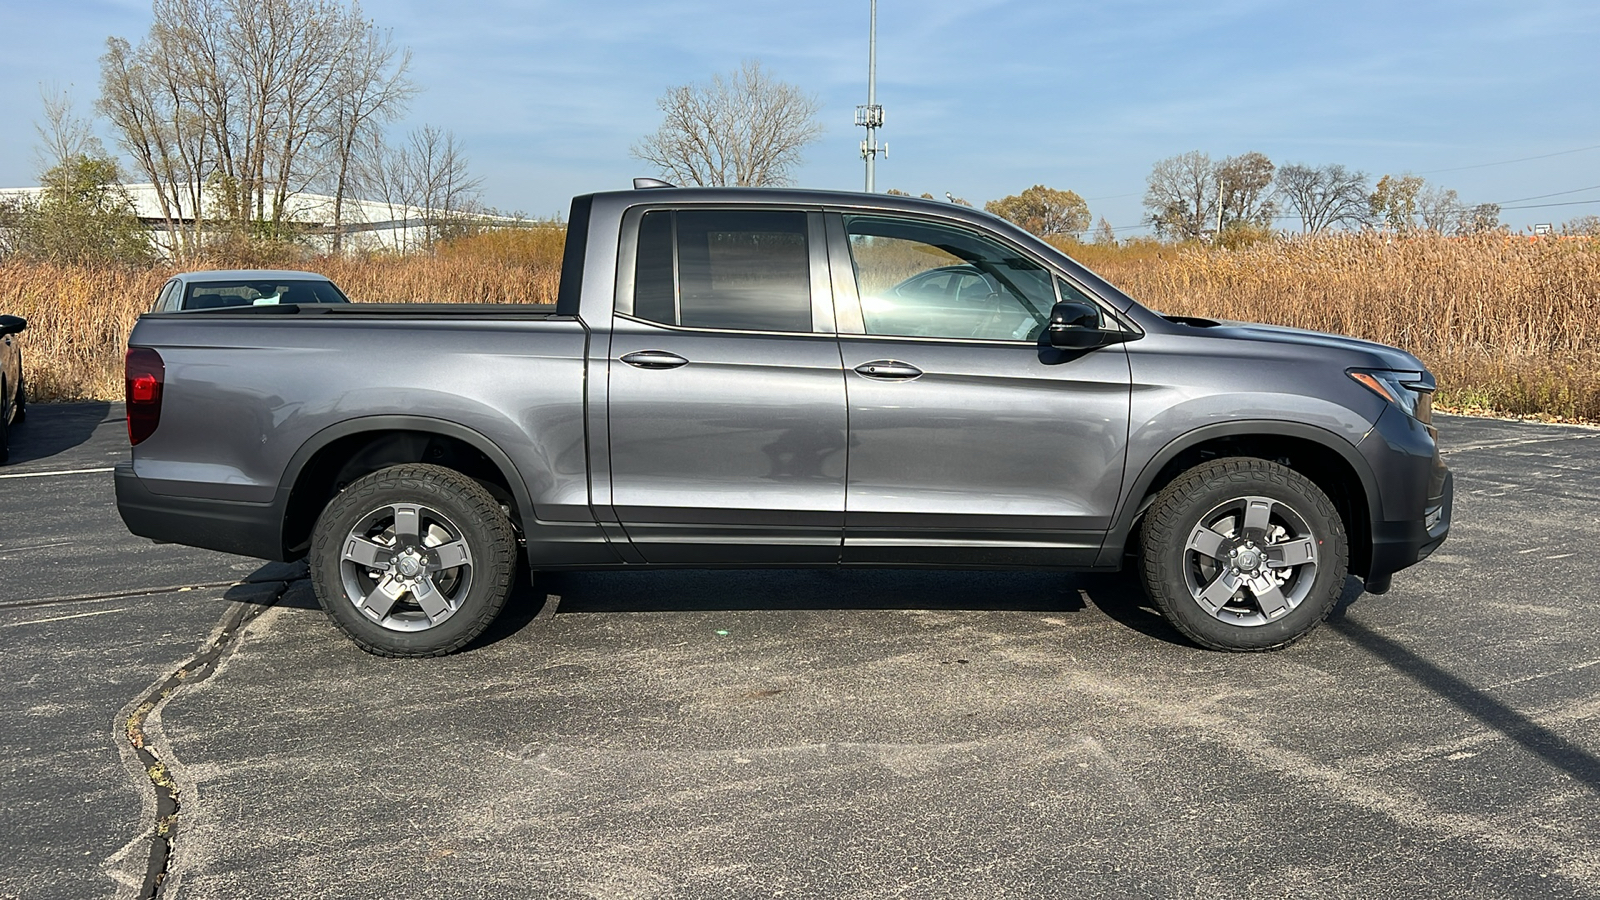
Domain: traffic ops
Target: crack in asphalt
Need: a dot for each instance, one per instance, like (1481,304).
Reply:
(119,595)
(198,668)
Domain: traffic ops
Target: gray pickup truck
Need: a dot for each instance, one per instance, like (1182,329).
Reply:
(735,377)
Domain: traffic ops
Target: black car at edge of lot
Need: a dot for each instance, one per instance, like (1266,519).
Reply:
(13,391)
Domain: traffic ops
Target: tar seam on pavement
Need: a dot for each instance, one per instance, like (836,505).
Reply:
(198,668)
(118,595)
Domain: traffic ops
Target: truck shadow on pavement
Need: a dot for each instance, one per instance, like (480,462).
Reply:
(55,428)
(1117,595)
(1495,714)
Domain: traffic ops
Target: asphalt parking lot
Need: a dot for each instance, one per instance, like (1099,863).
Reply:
(851,734)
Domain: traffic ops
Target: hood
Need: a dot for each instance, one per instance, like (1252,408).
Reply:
(1369,354)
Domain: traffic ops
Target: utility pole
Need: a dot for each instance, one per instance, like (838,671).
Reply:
(870,116)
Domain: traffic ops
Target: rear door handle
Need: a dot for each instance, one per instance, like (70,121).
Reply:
(654,359)
(889,370)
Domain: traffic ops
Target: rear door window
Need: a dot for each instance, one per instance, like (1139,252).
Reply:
(745,270)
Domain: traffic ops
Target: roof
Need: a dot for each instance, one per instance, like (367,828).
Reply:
(248,275)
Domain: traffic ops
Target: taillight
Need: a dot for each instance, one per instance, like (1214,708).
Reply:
(145,374)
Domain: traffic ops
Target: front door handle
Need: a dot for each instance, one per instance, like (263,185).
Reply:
(654,359)
(889,370)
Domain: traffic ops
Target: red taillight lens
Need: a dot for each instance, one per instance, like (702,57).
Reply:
(143,389)
(145,374)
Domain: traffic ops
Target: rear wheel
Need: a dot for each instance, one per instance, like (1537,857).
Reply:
(413,560)
(21,411)
(1243,554)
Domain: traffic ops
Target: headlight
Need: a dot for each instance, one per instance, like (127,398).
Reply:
(1407,390)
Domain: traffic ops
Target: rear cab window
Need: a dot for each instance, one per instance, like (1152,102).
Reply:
(744,270)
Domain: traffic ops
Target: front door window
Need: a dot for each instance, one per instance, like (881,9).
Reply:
(924,279)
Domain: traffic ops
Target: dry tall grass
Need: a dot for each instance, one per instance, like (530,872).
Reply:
(79,316)
(1509,325)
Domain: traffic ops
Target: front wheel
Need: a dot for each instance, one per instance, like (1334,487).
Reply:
(413,560)
(1243,554)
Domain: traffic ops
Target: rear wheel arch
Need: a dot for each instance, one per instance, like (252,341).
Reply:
(1323,457)
(342,453)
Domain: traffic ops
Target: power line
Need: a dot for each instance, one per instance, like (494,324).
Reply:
(1507,162)
(1548,205)
(1556,194)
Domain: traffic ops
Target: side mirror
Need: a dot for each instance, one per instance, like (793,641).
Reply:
(1075,325)
(12,324)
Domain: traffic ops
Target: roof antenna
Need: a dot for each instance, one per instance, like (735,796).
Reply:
(646,184)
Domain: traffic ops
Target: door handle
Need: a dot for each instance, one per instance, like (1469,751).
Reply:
(654,359)
(889,370)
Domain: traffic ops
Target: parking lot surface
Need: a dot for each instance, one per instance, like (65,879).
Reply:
(862,734)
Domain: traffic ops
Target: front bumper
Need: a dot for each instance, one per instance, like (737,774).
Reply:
(1410,517)
(1397,545)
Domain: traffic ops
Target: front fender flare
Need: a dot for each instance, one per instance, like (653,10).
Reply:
(1133,502)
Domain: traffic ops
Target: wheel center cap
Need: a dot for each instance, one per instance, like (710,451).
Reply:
(1248,559)
(409,566)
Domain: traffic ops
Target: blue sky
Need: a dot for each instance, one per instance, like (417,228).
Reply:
(984,97)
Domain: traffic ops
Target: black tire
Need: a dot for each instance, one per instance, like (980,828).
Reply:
(21,410)
(5,441)
(1242,554)
(413,560)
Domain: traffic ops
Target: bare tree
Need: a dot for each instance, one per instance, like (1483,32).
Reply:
(1244,191)
(1325,196)
(1581,226)
(424,182)
(1440,209)
(373,90)
(1479,219)
(444,189)
(63,135)
(745,130)
(167,137)
(1181,195)
(247,103)
(1190,197)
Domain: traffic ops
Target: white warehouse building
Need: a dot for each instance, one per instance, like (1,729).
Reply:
(368,225)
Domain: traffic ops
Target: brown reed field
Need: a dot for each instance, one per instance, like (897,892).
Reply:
(1507,323)
(1510,325)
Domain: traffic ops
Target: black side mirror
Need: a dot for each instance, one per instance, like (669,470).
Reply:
(12,324)
(1075,325)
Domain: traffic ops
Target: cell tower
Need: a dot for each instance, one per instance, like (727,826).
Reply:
(870,116)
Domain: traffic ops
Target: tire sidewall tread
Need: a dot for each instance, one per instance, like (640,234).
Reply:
(1175,511)
(473,510)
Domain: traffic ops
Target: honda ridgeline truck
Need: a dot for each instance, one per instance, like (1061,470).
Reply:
(738,377)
